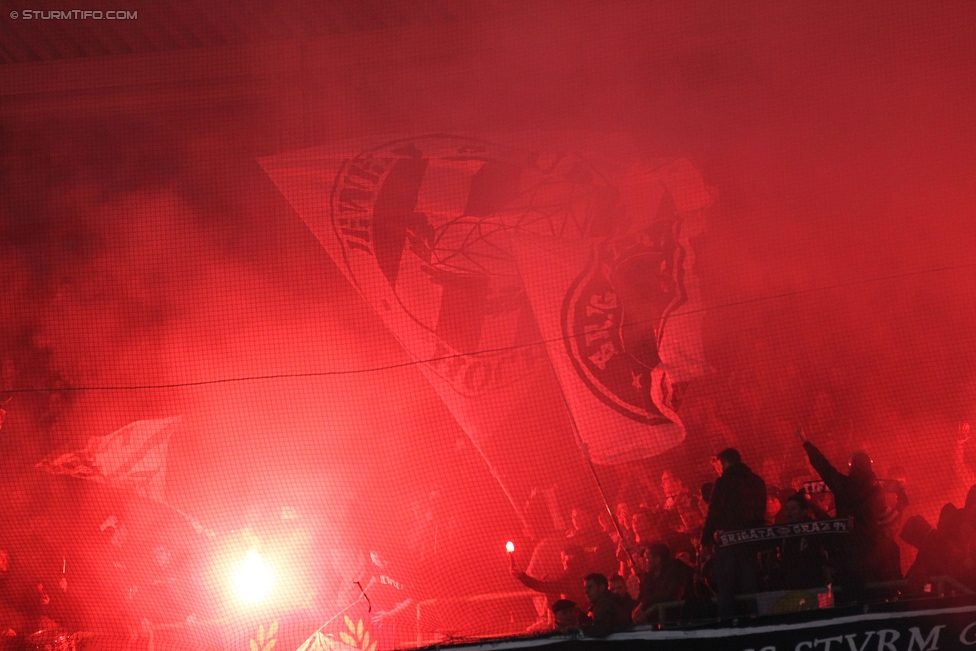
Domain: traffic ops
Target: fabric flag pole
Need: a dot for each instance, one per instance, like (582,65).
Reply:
(133,457)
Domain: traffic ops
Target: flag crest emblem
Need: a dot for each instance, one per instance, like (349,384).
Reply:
(614,315)
(424,224)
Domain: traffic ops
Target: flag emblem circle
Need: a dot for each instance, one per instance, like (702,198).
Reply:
(424,224)
(614,316)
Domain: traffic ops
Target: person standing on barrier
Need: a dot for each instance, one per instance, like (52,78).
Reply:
(859,497)
(738,501)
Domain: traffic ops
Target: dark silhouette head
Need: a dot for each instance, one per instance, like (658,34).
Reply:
(598,579)
(950,519)
(617,585)
(706,491)
(971,499)
(915,531)
(565,613)
(729,457)
(860,464)
(658,552)
(595,585)
(572,557)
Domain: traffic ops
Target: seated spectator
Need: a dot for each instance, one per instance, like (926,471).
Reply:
(666,580)
(639,568)
(565,614)
(618,588)
(679,502)
(606,612)
(624,521)
(608,527)
(801,559)
(567,585)
(643,526)
(600,551)
(669,528)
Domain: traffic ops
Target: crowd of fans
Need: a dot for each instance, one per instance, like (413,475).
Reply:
(666,558)
(670,560)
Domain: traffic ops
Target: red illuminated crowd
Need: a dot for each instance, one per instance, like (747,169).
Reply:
(739,545)
(829,539)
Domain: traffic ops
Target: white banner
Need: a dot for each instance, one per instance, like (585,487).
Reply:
(421,226)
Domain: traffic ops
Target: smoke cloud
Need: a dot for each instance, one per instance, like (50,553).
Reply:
(146,248)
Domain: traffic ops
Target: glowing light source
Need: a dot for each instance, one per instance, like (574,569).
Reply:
(253,579)
(510,547)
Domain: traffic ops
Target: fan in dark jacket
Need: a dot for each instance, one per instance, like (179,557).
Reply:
(667,580)
(801,559)
(738,502)
(938,551)
(859,497)
(606,611)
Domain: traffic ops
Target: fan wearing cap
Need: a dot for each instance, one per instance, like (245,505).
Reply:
(738,501)
(859,497)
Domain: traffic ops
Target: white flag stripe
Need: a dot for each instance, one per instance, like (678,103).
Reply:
(422,227)
(549,268)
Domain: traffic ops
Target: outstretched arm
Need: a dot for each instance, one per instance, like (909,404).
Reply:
(830,475)
(531,582)
(800,435)
(384,615)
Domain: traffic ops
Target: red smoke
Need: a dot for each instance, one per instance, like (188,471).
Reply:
(142,245)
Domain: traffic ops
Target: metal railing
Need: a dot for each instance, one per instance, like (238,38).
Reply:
(479,598)
(670,612)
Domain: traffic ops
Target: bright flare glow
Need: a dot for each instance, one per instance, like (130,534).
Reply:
(253,579)
(510,547)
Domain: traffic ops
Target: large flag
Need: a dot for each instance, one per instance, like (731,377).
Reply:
(421,227)
(621,315)
(131,457)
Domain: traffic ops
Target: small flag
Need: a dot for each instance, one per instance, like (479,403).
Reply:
(131,457)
